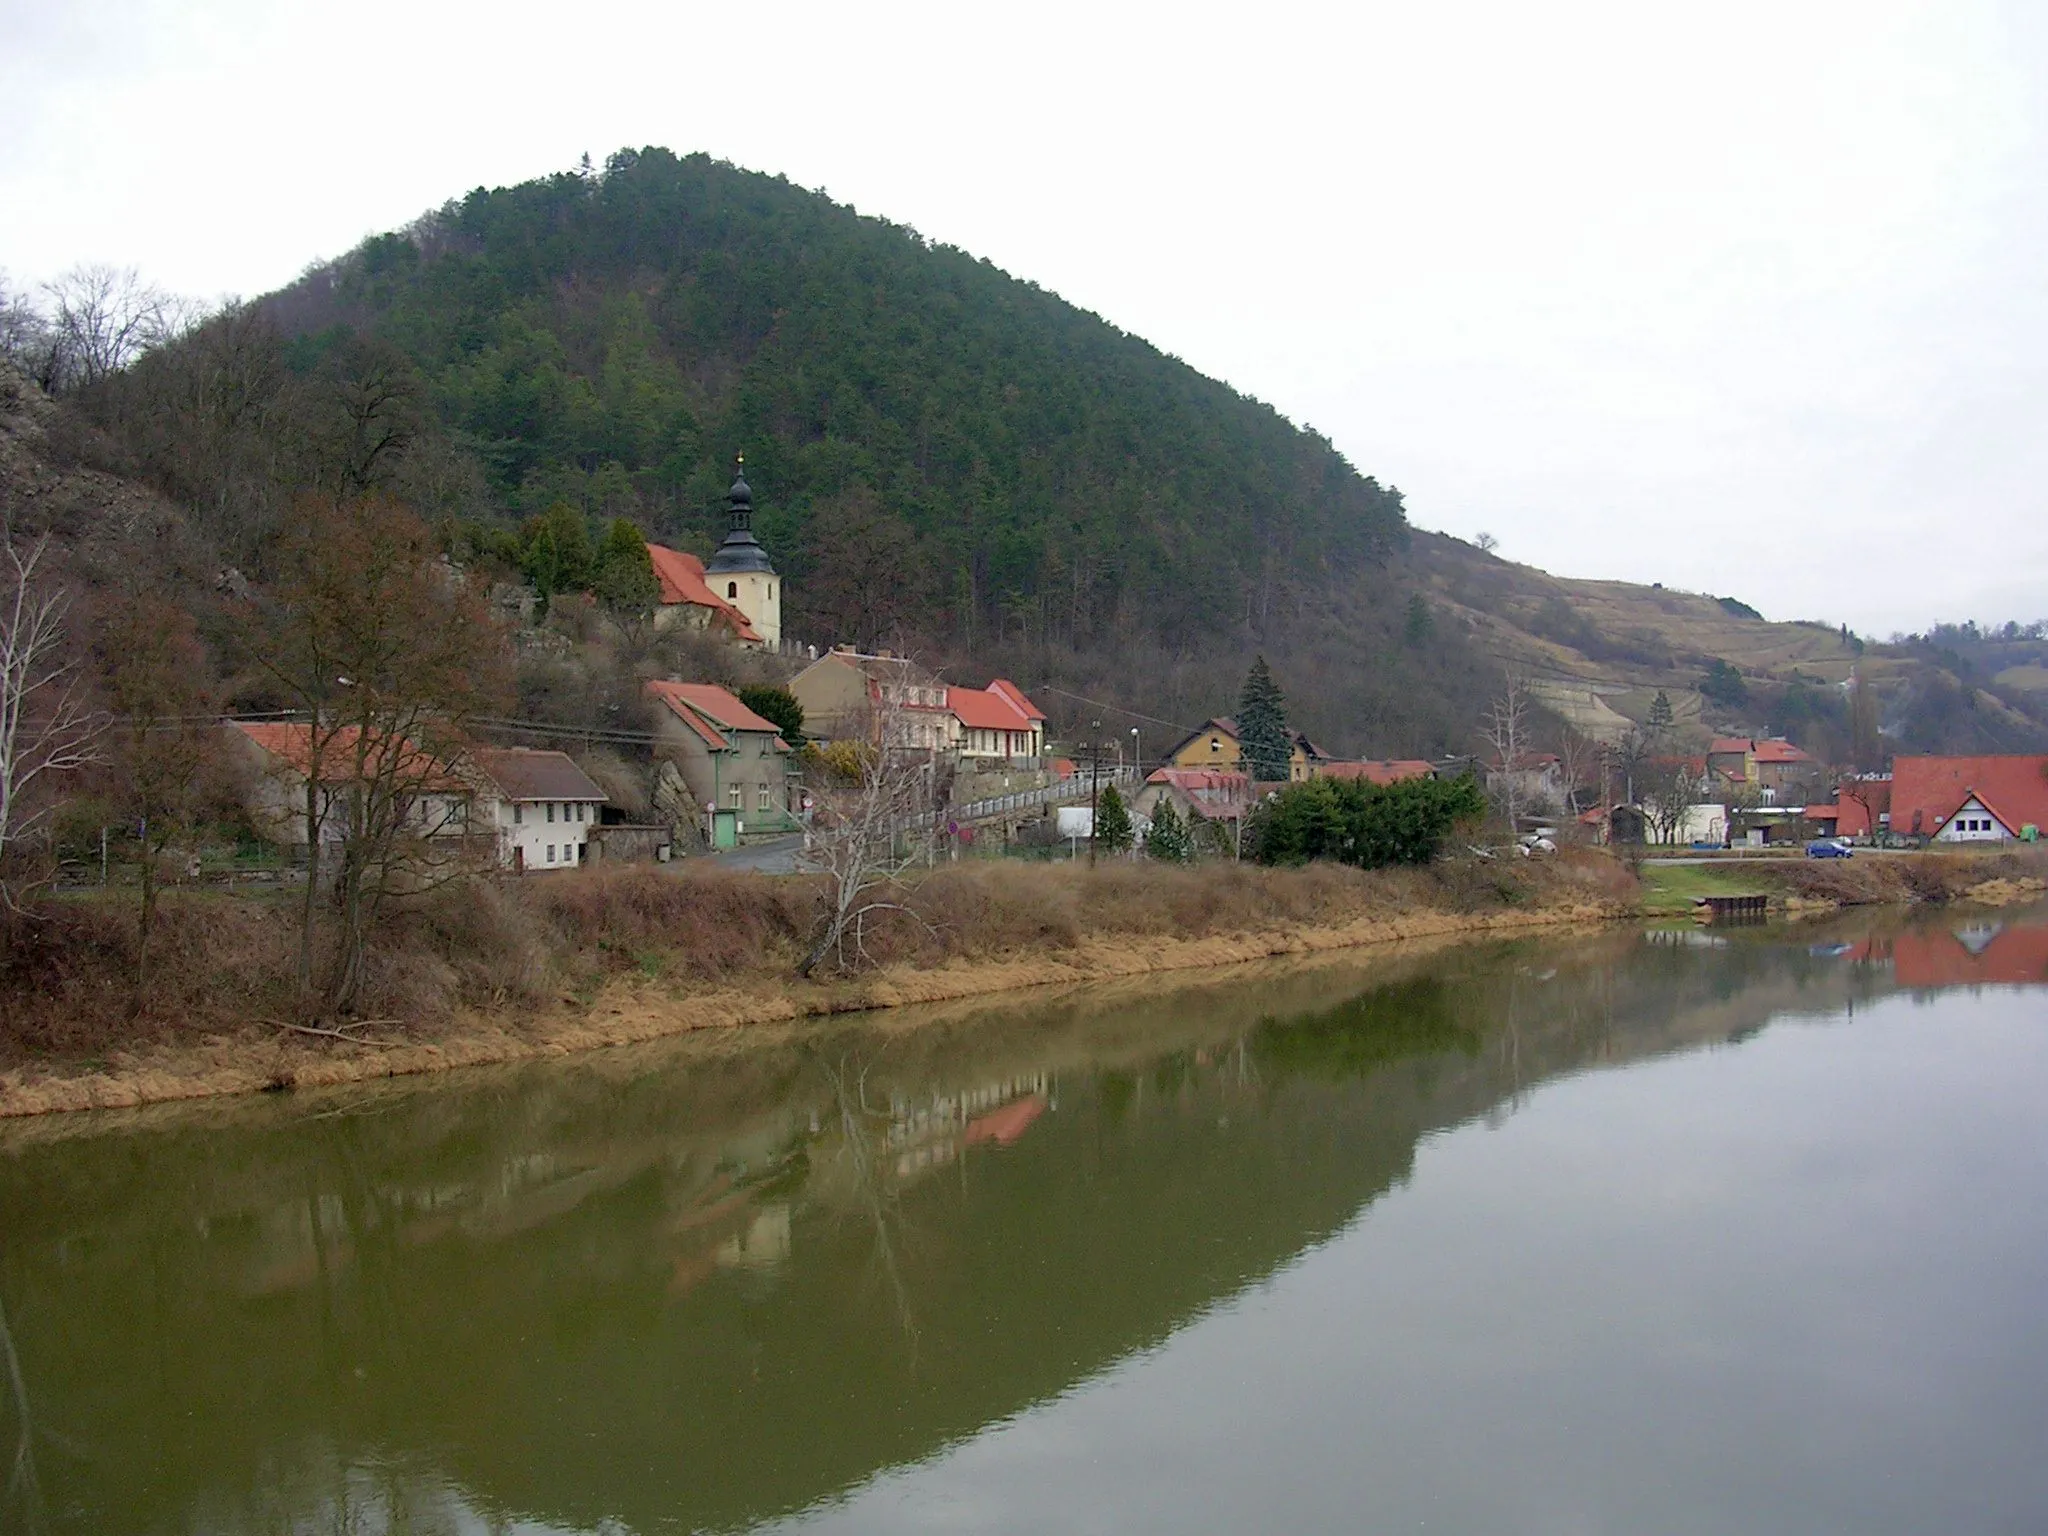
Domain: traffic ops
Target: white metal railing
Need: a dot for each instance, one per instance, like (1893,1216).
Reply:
(1067,790)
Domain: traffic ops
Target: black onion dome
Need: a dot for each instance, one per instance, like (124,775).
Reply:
(741,552)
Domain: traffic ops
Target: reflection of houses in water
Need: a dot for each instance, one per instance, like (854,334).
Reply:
(762,1245)
(1985,952)
(930,1133)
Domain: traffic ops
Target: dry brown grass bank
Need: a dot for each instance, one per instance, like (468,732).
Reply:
(604,956)
(1883,879)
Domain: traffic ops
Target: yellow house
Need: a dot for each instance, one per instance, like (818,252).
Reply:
(1215,746)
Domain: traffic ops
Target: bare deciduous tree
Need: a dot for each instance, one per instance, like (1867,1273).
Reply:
(1505,730)
(1670,789)
(47,724)
(104,318)
(389,655)
(1577,762)
(870,827)
(164,739)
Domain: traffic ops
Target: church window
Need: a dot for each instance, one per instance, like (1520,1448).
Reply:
(732,589)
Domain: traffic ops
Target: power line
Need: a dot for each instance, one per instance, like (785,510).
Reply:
(1116,709)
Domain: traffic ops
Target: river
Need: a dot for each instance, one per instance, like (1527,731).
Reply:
(1674,1232)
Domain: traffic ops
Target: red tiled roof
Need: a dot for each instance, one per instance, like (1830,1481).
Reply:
(1823,813)
(1725,745)
(681,579)
(1778,750)
(704,707)
(1381,771)
(1926,791)
(1016,696)
(1861,802)
(984,709)
(293,743)
(1197,778)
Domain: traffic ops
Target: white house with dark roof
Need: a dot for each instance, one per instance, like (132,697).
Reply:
(541,805)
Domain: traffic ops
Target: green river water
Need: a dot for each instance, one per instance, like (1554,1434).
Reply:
(1697,1232)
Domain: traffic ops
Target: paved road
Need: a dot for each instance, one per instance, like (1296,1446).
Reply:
(777,856)
(1740,861)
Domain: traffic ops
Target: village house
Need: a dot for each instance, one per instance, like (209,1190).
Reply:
(434,799)
(1771,765)
(845,693)
(541,806)
(1989,799)
(1215,746)
(1211,793)
(997,723)
(735,763)
(737,592)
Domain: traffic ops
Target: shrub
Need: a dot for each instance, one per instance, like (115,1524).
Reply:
(1370,825)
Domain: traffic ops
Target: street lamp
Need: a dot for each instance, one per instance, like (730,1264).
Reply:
(1138,754)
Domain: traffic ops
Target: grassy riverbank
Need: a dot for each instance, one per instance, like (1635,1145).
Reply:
(1870,879)
(518,969)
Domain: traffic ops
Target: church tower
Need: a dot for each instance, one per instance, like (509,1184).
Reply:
(740,571)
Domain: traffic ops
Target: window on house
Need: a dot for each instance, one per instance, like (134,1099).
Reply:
(732,589)
(551,810)
(738,795)
(551,853)
(518,815)
(767,799)
(580,808)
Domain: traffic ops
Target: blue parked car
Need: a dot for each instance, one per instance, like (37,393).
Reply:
(1827,848)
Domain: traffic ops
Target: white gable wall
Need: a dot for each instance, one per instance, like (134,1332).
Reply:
(1973,824)
(526,834)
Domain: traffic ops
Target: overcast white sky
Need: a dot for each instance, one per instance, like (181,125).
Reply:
(1751,298)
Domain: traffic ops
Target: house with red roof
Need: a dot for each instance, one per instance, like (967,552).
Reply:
(997,722)
(1988,799)
(1215,794)
(1770,764)
(432,792)
(734,761)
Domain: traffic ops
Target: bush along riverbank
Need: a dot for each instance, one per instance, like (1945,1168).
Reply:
(509,969)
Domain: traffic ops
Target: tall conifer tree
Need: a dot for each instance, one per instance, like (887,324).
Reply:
(1262,734)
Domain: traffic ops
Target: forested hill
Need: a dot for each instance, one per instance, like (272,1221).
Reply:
(938,446)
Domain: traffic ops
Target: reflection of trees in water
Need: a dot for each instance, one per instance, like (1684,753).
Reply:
(24,1491)
(874,1193)
(1194,1150)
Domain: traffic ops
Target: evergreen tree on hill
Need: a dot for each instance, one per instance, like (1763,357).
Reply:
(607,337)
(779,706)
(1262,734)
